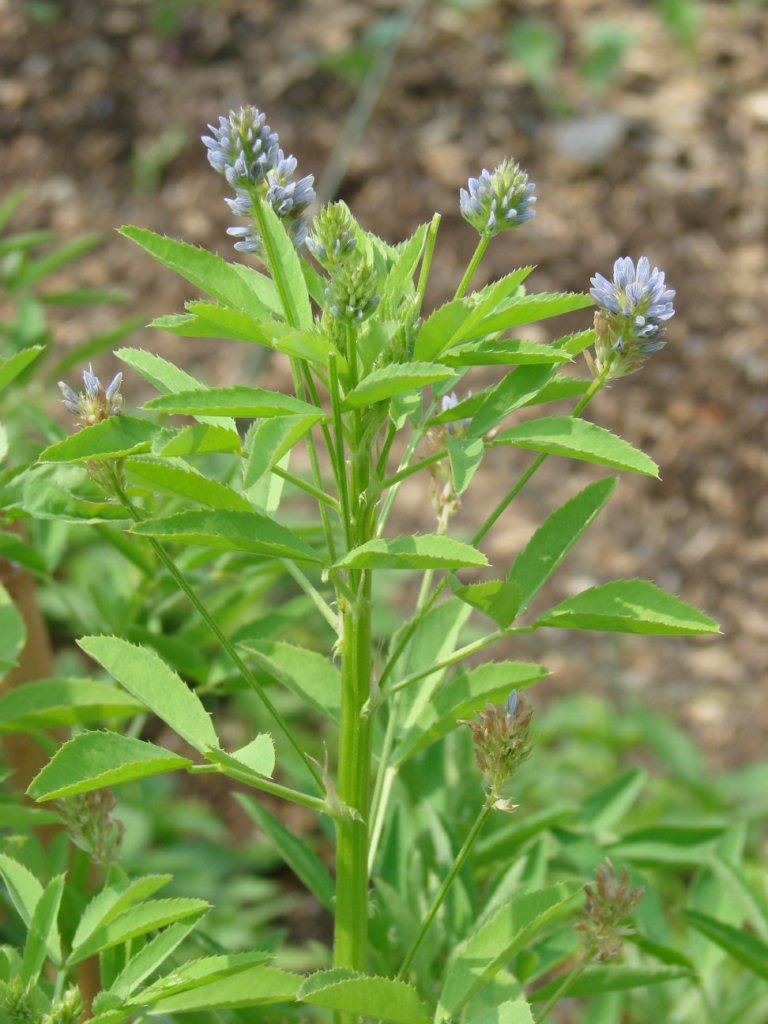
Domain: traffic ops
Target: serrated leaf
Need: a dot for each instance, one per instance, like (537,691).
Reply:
(504,352)
(145,917)
(196,440)
(309,674)
(12,631)
(283,260)
(233,323)
(272,439)
(529,309)
(296,853)
(463,696)
(49,703)
(235,285)
(230,531)
(465,455)
(146,677)
(613,979)
(497,940)
(629,606)
(202,971)
(748,950)
(254,986)
(258,755)
(555,538)
(498,599)
(397,379)
(512,392)
(363,995)
(113,438)
(43,934)
(93,760)
(188,483)
(149,958)
(12,366)
(231,401)
(425,551)
(578,439)
(115,899)
(517,1012)
(165,377)
(23,888)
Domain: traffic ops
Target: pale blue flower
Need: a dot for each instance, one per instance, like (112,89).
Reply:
(498,200)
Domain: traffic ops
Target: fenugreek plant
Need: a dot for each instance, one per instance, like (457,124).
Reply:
(420,930)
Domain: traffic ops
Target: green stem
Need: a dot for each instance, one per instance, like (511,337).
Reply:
(307,487)
(562,990)
(223,640)
(312,592)
(474,263)
(426,262)
(266,785)
(414,467)
(458,863)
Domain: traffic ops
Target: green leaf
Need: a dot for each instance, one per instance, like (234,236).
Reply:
(148,916)
(49,703)
(93,760)
(230,531)
(748,950)
(64,254)
(606,807)
(465,455)
(43,934)
(530,308)
(14,365)
(613,979)
(254,986)
(165,377)
(232,401)
(578,439)
(518,1012)
(510,929)
(629,606)
(150,957)
(397,379)
(463,696)
(498,599)
(202,971)
(362,995)
(272,439)
(309,674)
(285,266)
(427,551)
(23,888)
(3,443)
(113,438)
(181,480)
(233,323)
(196,440)
(504,352)
(512,392)
(232,284)
(146,677)
(12,631)
(113,900)
(555,537)
(296,853)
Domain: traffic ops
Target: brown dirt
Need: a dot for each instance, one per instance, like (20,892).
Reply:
(682,177)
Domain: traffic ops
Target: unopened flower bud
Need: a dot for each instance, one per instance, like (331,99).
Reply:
(94,403)
(91,825)
(630,321)
(607,904)
(498,200)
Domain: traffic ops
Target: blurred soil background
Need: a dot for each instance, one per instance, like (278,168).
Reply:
(645,128)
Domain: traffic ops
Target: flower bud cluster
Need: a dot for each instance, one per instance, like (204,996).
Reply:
(607,904)
(498,200)
(94,403)
(16,1003)
(501,741)
(67,1010)
(630,321)
(91,826)
(245,150)
(352,290)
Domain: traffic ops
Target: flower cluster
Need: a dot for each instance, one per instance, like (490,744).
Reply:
(501,743)
(88,818)
(607,904)
(498,200)
(245,150)
(94,403)
(352,290)
(633,309)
